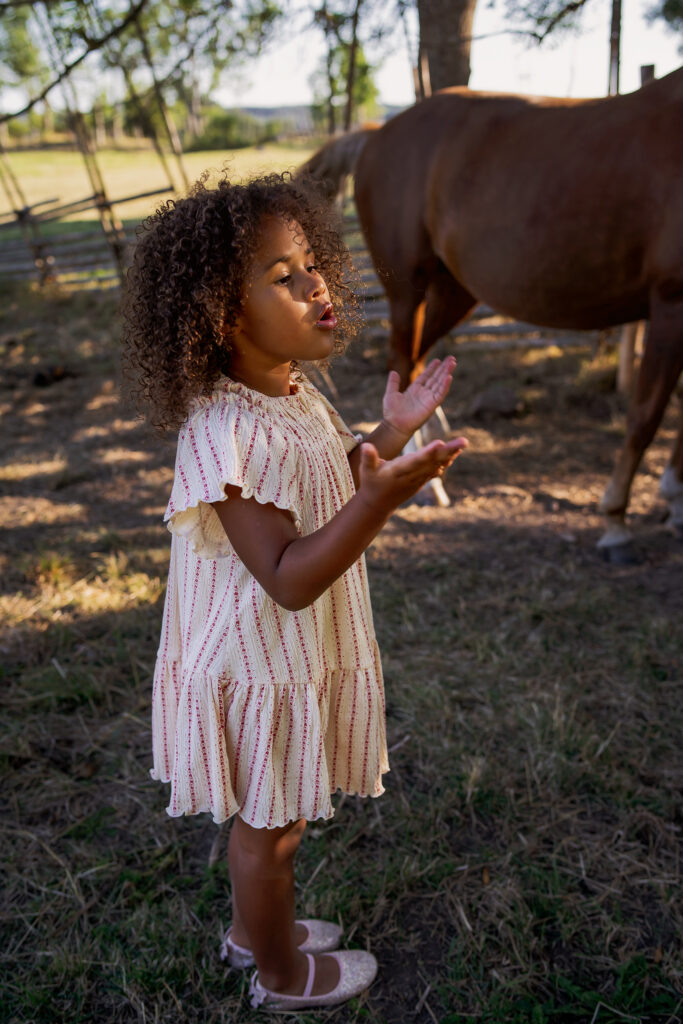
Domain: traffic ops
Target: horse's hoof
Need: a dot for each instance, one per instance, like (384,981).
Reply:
(620,554)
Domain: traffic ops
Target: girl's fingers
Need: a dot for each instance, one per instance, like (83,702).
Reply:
(432,457)
(437,377)
(425,377)
(448,369)
(444,448)
(429,375)
(459,443)
(443,381)
(393,382)
(369,456)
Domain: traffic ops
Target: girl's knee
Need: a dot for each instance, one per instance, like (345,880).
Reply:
(269,845)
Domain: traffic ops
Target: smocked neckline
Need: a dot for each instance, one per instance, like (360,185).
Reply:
(259,397)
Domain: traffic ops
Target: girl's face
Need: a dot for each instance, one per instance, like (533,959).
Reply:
(286,312)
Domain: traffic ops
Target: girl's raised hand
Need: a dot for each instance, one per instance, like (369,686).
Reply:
(407,410)
(387,484)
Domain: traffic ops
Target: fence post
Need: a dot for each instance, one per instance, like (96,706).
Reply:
(44,263)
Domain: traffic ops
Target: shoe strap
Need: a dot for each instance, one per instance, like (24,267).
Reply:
(311,976)
(228,941)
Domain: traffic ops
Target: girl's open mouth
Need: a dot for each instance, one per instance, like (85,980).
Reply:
(327,320)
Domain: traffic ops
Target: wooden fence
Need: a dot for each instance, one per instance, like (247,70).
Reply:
(71,258)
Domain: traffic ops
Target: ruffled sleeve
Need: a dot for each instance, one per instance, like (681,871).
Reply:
(348,438)
(228,442)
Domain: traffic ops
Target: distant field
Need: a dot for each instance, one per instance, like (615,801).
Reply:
(60,174)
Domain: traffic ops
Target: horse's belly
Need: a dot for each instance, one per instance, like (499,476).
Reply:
(548,307)
(554,285)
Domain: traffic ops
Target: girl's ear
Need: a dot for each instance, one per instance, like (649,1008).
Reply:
(226,348)
(235,332)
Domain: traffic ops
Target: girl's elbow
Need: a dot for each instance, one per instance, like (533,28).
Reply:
(294,602)
(294,590)
(295,599)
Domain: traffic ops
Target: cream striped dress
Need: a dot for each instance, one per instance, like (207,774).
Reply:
(258,710)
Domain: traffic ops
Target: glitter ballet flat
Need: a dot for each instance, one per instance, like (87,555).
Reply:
(357,970)
(322,937)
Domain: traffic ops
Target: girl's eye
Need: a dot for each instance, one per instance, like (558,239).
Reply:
(312,269)
(284,279)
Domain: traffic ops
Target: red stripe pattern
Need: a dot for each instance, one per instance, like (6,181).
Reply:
(257,710)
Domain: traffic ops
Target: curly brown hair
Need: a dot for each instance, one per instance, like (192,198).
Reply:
(185,286)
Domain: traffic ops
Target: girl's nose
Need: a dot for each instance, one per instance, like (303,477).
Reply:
(315,287)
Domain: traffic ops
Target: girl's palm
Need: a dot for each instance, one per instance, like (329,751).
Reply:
(388,482)
(407,410)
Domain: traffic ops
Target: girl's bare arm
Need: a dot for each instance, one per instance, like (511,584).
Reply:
(296,570)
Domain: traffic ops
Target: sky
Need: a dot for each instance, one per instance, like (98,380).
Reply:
(575,65)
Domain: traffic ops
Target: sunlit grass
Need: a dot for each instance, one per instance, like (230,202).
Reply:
(61,174)
(22,470)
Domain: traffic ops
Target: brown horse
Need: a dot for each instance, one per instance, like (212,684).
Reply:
(564,213)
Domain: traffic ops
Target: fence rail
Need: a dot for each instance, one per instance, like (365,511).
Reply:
(89,257)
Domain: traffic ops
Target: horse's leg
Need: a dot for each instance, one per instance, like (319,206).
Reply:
(420,316)
(671,484)
(446,304)
(407,317)
(660,368)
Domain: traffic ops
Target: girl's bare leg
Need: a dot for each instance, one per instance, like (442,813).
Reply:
(238,932)
(261,862)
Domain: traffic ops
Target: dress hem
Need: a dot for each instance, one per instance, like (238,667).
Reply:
(379,790)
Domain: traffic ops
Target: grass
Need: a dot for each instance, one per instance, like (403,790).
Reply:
(524,863)
(61,174)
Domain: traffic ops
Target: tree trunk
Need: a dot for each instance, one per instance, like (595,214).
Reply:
(351,77)
(614,49)
(331,116)
(48,119)
(445,39)
(195,119)
(100,130)
(117,123)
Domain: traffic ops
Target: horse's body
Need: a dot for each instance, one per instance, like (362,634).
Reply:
(565,213)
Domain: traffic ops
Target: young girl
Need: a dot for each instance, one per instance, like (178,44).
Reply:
(268,688)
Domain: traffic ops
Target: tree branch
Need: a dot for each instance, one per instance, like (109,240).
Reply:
(93,44)
(9,4)
(539,16)
(191,47)
(569,8)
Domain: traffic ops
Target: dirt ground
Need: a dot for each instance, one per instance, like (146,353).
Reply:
(503,585)
(542,467)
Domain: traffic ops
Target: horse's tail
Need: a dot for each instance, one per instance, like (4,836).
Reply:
(331,164)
